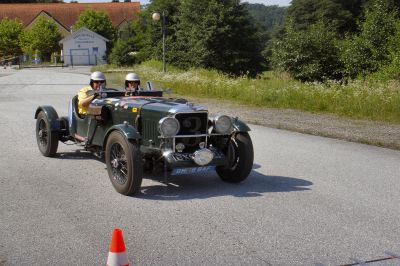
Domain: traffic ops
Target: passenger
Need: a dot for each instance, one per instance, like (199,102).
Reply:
(132,82)
(88,93)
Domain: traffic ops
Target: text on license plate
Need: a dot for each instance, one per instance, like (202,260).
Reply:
(192,170)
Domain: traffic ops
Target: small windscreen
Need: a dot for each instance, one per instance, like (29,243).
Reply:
(150,93)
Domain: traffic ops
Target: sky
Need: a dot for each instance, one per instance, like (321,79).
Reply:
(265,2)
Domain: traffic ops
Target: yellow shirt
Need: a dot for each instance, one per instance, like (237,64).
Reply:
(84,93)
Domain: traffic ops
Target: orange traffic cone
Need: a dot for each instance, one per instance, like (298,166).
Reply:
(117,254)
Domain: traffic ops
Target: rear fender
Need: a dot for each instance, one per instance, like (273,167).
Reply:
(52,116)
(128,131)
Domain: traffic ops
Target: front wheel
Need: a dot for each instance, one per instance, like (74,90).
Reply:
(47,139)
(124,164)
(240,156)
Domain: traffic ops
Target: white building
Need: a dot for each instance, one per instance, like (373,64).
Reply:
(84,47)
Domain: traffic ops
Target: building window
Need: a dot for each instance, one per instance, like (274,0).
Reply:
(95,49)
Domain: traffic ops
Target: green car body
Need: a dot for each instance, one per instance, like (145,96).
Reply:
(131,133)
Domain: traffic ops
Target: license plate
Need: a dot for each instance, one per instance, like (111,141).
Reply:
(192,170)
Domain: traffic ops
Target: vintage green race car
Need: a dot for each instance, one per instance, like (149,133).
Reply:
(147,132)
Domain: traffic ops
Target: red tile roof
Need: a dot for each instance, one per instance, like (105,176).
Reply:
(67,13)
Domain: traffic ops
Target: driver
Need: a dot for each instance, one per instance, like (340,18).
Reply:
(132,82)
(88,93)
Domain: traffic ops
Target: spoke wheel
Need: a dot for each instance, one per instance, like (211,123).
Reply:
(240,156)
(119,164)
(124,164)
(47,139)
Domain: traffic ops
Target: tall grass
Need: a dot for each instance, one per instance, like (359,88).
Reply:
(365,100)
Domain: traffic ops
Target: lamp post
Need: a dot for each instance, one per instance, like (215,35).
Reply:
(156,17)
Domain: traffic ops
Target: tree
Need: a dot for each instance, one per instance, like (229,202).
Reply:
(123,53)
(42,37)
(368,50)
(340,15)
(268,18)
(219,35)
(308,55)
(97,21)
(392,70)
(147,33)
(10,31)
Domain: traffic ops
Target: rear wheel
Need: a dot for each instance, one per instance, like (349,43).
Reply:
(47,139)
(124,164)
(240,157)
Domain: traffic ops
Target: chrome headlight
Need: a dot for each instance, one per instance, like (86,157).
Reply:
(203,157)
(223,124)
(168,126)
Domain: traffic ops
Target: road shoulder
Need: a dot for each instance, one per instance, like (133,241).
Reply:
(362,131)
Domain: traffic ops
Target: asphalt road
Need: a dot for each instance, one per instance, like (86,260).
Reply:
(308,200)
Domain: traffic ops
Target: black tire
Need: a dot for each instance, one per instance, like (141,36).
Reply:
(124,164)
(240,158)
(47,139)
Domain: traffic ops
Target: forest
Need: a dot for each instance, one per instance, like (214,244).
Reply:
(333,56)
(312,40)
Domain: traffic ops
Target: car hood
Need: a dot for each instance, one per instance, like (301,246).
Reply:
(153,104)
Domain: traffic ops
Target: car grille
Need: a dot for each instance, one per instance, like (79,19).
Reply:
(192,123)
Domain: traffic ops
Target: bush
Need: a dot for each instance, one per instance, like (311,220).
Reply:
(309,55)
(366,52)
(122,53)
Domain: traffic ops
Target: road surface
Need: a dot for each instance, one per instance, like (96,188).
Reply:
(308,200)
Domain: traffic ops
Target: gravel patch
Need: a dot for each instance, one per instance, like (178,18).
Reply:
(363,131)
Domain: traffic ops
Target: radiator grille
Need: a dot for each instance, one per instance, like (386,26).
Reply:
(192,123)
(149,130)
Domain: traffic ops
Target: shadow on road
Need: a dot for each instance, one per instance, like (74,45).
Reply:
(77,155)
(207,186)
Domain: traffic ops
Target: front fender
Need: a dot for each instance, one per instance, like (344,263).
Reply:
(128,131)
(51,114)
(240,126)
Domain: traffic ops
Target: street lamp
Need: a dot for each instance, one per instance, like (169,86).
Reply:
(156,17)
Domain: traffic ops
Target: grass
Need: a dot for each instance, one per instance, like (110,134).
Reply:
(362,100)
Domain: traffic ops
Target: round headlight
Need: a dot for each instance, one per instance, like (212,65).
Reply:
(223,124)
(168,126)
(203,157)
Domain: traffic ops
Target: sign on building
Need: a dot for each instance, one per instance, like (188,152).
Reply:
(84,47)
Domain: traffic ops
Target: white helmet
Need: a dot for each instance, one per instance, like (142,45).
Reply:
(97,76)
(131,77)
